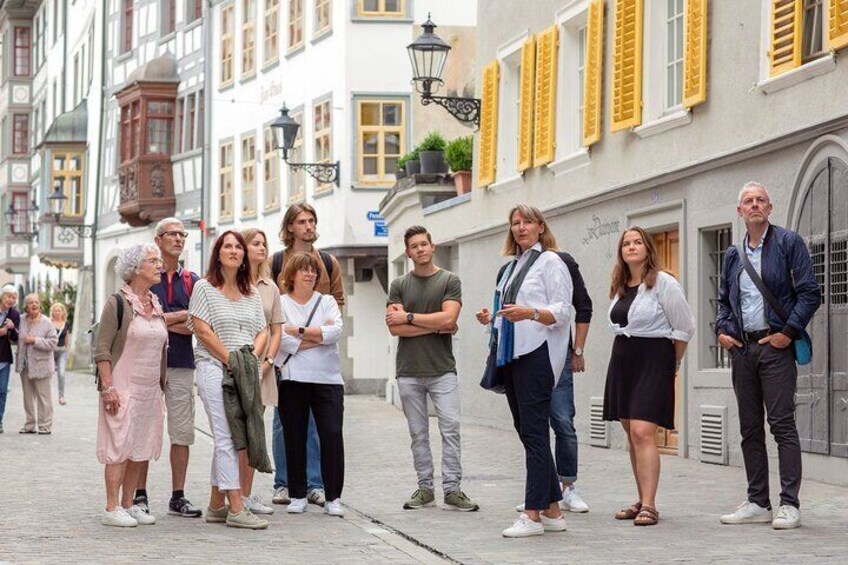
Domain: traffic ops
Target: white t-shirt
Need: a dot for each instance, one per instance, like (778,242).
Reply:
(319,365)
(661,311)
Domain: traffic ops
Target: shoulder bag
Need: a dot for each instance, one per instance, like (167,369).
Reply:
(277,370)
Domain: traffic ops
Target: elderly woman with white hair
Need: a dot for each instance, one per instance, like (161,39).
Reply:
(130,356)
(10,320)
(37,339)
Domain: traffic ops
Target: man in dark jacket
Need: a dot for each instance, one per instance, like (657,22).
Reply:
(762,355)
(10,321)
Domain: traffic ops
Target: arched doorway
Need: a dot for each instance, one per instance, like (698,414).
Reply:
(822,396)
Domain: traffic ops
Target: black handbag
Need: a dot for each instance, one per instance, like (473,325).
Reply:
(492,374)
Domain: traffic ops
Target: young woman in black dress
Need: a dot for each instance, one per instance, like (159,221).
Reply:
(653,324)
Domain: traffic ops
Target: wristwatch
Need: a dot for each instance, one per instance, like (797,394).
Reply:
(535,314)
(409,318)
(269,359)
(301,330)
(578,351)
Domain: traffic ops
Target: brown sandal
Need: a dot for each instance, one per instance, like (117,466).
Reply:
(647,516)
(630,512)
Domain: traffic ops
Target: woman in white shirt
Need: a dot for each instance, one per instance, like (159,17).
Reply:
(532,324)
(653,325)
(311,379)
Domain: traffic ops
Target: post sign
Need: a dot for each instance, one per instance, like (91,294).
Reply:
(374,216)
(381,229)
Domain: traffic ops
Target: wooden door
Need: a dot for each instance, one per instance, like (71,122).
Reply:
(668,249)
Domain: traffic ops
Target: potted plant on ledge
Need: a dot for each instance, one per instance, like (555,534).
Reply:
(411,162)
(459,154)
(431,151)
(400,171)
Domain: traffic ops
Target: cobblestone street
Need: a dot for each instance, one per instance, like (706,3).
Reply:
(51,496)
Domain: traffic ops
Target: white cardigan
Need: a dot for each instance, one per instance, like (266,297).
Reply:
(661,311)
(318,365)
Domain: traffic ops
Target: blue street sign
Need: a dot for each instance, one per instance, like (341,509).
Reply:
(381,229)
(374,216)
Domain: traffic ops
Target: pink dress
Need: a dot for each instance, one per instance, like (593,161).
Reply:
(135,432)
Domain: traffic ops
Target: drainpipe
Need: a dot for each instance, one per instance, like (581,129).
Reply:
(206,160)
(64,54)
(101,135)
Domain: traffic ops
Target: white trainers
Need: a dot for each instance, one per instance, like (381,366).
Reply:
(519,507)
(334,508)
(524,527)
(297,506)
(788,518)
(572,502)
(254,504)
(316,496)
(553,524)
(142,517)
(119,518)
(281,496)
(748,513)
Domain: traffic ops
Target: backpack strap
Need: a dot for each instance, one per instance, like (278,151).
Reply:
(328,263)
(308,322)
(188,282)
(277,264)
(119,309)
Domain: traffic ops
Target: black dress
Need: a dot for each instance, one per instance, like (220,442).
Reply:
(640,376)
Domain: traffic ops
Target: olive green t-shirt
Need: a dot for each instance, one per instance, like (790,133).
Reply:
(428,355)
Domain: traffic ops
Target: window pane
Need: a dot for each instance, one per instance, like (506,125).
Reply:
(392,144)
(391,165)
(370,114)
(371,5)
(370,166)
(370,143)
(393,5)
(391,114)
(59,163)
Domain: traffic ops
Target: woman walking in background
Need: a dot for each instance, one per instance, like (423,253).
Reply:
(59,318)
(36,343)
(653,324)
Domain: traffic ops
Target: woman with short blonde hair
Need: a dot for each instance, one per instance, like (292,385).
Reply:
(59,318)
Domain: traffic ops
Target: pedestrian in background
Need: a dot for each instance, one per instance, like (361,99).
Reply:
(37,340)
(225,313)
(59,318)
(260,277)
(533,324)
(10,320)
(130,354)
(311,382)
(653,325)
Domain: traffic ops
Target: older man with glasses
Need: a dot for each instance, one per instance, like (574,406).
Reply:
(174,292)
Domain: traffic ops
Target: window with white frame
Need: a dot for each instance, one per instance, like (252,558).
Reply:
(297,178)
(168,16)
(323,13)
(127,12)
(674,53)
(295,24)
(225,176)
(270,52)
(248,175)
(227,40)
(570,82)
(322,118)
(380,139)
(509,111)
(270,170)
(812,43)
(189,123)
(194,10)
(248,38)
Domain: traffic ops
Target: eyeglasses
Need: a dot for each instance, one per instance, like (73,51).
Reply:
(182,234)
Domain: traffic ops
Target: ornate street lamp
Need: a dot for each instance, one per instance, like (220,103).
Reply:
(56,202)
(285,129)
(13,220)
(428,54)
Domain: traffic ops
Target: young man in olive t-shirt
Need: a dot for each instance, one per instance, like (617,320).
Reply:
(422,310)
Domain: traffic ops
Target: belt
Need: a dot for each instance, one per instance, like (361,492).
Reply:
(756,336)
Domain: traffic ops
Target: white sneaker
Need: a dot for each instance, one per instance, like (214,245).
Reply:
(572,502)
(281,496)
(316,496)
(788,517)
(519,507)
(748,513)
(254,504)
(118,517)
(553,524)
(334,508)
(297,506)
(524,527)
(140,516)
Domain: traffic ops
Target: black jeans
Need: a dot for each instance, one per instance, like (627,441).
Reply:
(529,383)
(767,377)
(327,404)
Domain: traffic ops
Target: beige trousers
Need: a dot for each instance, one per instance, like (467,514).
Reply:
(37,393)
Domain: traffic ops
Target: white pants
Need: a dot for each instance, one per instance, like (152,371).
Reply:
(225,470)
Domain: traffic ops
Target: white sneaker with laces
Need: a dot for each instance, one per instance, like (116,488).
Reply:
(748,513)
(524,527)
(572,501)
(297,506)
(140,516)
(281,496)
(254,504)
(119,518)
(334,508)
(519,507)
(316,496)
(553,524)
(788,518)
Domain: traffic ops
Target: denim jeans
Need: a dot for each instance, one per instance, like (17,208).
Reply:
(4,388)
(313,456)
(562,422)
(61,361)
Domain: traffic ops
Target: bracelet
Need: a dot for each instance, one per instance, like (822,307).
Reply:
(107,390)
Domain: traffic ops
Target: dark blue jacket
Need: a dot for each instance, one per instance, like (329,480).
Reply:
(787,272)
(12,337)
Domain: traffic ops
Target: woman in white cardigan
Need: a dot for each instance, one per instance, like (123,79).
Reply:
(311,379)
(37,340)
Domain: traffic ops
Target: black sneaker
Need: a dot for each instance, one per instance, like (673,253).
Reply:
(182,507)
(141,502)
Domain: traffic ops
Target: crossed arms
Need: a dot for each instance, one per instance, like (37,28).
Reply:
(423,324)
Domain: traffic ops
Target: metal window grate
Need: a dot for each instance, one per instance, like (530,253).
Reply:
(718,241)
(839,272)
(818,257)
(597,426)
(714,434)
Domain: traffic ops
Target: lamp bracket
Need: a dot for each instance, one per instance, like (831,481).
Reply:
(463,109)
(322,172)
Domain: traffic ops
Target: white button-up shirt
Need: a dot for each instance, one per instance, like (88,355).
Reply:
(661,311)
(547,286)
(753,309)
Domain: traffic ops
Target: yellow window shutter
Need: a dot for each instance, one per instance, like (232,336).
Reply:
(488,125)
(627,65)
(525,117)
(837,29)
(695,53)
(786,33)
(593,79)
(546,75)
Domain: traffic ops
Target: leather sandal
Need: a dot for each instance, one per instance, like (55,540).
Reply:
(647,516)
(630,512)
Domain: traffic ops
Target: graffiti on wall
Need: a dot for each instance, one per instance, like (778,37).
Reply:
(600,231)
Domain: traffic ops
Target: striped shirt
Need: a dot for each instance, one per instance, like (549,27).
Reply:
(235,322)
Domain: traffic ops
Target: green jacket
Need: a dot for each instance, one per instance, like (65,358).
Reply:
(243,405)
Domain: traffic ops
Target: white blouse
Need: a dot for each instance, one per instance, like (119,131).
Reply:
(318,365)
(661,311)
(547,286)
